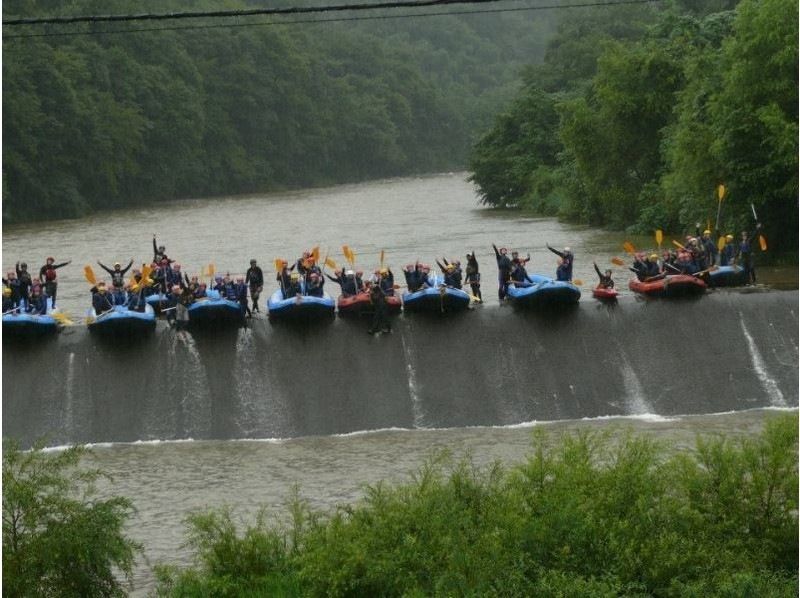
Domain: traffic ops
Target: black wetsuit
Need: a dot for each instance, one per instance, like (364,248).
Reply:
(606,282)
(473,276)
(380,318)
(255,278)
(117,276)
(504,267)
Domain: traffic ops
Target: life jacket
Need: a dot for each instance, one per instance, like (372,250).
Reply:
(50,274)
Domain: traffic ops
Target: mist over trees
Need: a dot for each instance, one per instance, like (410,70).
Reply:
(102,121)
(637,114)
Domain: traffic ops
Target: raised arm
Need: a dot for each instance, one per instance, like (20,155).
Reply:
(496,252)
(104,267)
(57,266)
(128,267)
(596,269)
(556,251)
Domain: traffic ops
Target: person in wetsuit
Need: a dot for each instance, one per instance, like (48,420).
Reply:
(24,280)
(101,300)
(314,285)
(564,269)
(293,288)
(159,252)
(117,274)
(386,281)
(728,254)
(12,283)
(47,276)
(37,305)
(254,277)
(504,267)
(452,275)
(380,317)
(744,255)
(473,276)
(606,282)
(240,288)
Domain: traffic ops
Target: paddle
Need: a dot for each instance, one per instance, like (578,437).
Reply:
(349,255)
(678,245)
(618,261)
(330,263)
(577,282)
(706,271)
(721,243)
(88,273)
(721,196)
(659,238)
(762,242)
(628,247)
(382,256)
(62,319)
(10,311)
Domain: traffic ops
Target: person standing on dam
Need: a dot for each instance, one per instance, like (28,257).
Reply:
(473,276)
(47,275)
(255,278)
(380,318)
(504,267)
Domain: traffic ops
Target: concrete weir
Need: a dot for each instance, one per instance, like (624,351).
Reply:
(489,366)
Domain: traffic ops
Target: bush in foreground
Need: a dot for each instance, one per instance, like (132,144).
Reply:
(57,539)
(588,515)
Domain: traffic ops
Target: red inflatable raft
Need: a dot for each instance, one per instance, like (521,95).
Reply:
(677,285)
(360,304)
(604,294)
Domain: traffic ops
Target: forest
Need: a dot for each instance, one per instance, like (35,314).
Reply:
(637,115)
(104,120)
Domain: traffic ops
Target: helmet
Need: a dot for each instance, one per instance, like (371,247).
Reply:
(653,256)
(176,266)
(101,285)
(503,250)
(450,267)
(384,272)
(706,232)
(23,265)
(6,292)
(567,250)
(50,259)
(729,237)
(117,265)
(515,252)
(294,276)
(240,279)
(161,248)
(252,262)
(348,273)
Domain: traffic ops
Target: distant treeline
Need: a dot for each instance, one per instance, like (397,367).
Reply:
(102,121)
(637,114)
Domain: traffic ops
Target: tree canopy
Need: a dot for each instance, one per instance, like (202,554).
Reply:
(655,110)
(100,121)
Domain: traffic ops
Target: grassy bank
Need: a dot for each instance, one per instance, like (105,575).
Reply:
(590,514)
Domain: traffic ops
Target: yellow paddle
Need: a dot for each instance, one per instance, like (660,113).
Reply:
(628,247)
(315,253)
(577,282)
(330,263)
(762,242)
(88,273)
(720,196)
(382,255)
(62,319)
(659,238)
(721,243)
(618,261)
(278,264)
(674,242)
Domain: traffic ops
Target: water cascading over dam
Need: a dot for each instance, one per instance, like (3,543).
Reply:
(489,366)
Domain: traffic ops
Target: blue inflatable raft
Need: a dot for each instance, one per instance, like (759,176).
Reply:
(436,299)
(726,276)
(542,291)
(18,324)
(121,321)
(301,307)
(213,310)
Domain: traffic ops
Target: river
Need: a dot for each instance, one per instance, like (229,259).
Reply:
(238,420)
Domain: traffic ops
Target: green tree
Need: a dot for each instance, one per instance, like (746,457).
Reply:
(58,540)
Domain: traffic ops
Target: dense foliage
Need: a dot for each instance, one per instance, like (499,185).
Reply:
(100,121)
(58,540)
(633,121)
(586,515)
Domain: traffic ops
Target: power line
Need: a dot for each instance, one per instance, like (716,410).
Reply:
(312,21)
